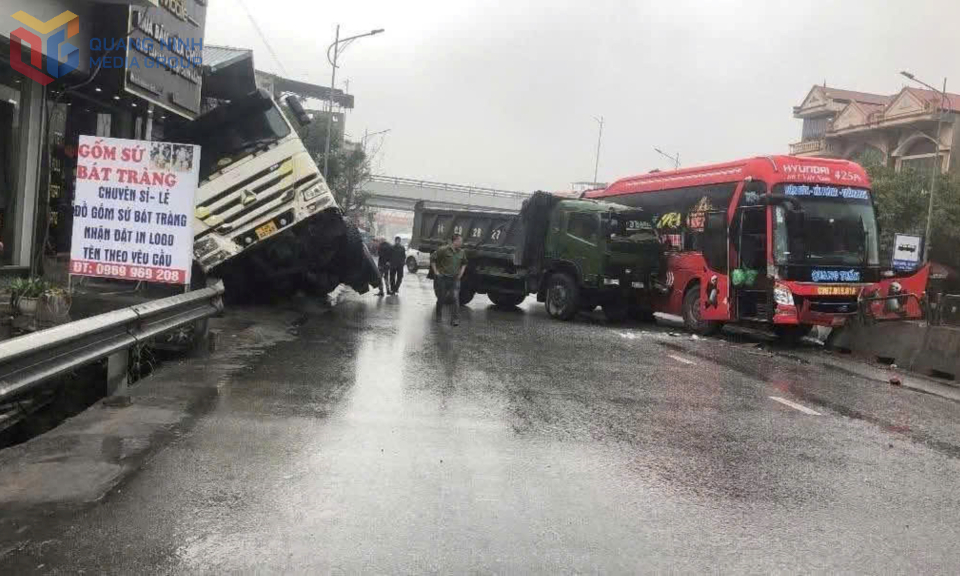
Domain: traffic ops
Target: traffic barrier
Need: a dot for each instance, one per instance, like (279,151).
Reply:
(29,361)
(915,346)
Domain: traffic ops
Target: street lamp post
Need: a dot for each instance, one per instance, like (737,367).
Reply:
(936,160)
(335,47)
(675,160)
(367,135)
(596,166)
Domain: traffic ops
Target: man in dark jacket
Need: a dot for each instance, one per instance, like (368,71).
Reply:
(398,259)
(384,250)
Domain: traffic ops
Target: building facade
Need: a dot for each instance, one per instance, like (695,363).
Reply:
(898,130)
(94,91)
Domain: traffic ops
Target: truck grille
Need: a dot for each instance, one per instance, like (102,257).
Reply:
(244,202)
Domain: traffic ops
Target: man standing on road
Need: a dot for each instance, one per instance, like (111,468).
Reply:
(383,263)
(398,259)
(448,264)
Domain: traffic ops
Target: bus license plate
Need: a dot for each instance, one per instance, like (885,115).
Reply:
(266,230)
(837,290)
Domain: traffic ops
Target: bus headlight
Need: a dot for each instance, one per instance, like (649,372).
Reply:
(782,295)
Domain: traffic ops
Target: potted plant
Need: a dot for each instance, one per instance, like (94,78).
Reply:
(25,294)
(55,304)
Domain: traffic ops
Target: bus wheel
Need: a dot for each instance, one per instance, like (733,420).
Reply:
(792,335)
(506,299)
(563,295)
(412,265)
(691,314)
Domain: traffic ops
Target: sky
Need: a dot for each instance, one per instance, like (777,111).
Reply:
(505,94)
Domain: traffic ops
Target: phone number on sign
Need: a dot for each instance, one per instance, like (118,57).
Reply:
(145,273)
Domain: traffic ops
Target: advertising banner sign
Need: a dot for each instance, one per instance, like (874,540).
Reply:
(133,210)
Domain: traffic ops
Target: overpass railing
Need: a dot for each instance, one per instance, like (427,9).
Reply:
(449,187)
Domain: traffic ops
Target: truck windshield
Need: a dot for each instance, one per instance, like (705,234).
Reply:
(626,229)
(826,225)
(233,131)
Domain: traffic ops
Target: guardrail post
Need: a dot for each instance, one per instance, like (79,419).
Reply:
(117,370)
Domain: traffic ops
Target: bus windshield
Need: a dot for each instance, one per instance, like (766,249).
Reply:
(627,231)
(826,225)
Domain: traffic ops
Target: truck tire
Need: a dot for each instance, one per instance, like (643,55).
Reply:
(641,314)
(563,296)
(198,278)
(506,299)
(466,294)
(412,265)
(353,262)
(691,314)
(616,312)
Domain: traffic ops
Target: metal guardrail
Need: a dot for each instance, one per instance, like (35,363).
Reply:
(28,361)
(449,187)
(944,310)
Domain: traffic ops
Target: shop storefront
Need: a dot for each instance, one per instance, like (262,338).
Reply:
(40,125)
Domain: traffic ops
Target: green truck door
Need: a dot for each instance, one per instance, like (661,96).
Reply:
(578,243)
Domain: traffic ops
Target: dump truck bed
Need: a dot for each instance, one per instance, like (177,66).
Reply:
(493,235)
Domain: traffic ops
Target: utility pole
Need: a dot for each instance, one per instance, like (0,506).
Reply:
(333,83)
(335,48)
(596,166)
(935,174)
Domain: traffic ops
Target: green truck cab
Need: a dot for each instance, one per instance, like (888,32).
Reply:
(573,254)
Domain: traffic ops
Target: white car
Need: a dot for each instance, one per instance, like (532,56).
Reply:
(417,260)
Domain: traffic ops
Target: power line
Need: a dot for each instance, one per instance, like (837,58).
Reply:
(263,38)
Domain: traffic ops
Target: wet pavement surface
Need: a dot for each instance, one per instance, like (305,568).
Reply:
(380,441)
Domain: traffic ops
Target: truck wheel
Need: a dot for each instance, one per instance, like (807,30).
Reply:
(616,312)
(563,296)
(412,265)
(466,294)
(691,314)
(506,299)
(641,314)
(198,278)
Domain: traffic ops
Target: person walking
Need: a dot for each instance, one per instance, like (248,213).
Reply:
(448,264)
(398,259)
(383,263)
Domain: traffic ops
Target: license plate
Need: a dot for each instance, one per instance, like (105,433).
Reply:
(839,321)
(266,230)
(837,290)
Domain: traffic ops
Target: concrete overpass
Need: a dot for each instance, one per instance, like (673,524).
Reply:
(403,193)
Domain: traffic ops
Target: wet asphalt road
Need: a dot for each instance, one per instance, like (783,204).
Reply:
(382,442)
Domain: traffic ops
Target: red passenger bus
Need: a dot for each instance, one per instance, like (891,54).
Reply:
(783,241)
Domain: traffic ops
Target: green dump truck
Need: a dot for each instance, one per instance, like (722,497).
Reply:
(573,254)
